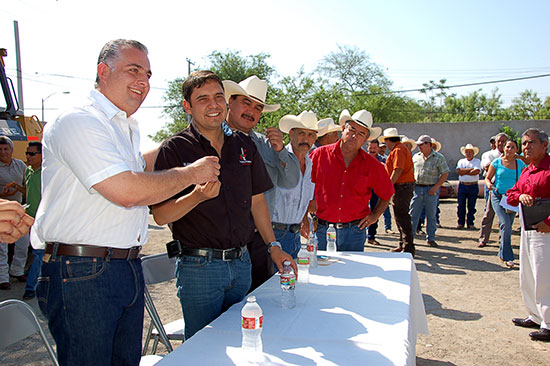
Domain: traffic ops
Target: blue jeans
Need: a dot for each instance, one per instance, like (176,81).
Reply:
(466,197)
(387,218)
(505,222)
(371,230)
(208,287)
(34,271)
(421,199)
(94,309)
(290,242)
(351,239)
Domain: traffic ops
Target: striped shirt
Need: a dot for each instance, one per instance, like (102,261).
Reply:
(428,170)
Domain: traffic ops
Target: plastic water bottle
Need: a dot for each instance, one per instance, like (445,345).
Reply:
(331,239)
(312,250)
(303,265)
(288,285)
(251,322)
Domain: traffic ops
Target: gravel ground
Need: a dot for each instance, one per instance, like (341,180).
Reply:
(470,299)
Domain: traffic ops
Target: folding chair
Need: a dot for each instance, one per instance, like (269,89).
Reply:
(159,268)
(19,322)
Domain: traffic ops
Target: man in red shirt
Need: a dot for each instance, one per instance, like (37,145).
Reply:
(344,177)
(400,168)
(534,269)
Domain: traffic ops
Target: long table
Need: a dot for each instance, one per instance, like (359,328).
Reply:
(357,309)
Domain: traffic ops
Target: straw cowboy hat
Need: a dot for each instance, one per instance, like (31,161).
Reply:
(363,118)
(327,126)
(389,132)
(436,145)
(253,88)
(469,147)
(407,141)
(306,119)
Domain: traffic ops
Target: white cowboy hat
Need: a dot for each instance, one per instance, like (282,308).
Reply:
(363,118)
(389,132)
(306,119)
(253,88)
(436,145)
(407,141)
(469,147)
(327,126)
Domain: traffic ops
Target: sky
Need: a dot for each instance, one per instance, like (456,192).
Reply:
(466,41)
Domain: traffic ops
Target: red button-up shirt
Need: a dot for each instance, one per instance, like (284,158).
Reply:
(534,181)
(342,194)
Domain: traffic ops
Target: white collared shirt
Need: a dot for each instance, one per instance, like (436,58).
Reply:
(83,147)
(290,204)
(464,163)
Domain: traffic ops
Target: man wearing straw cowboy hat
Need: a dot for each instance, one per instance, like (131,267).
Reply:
(329,134)
(468,170)
(289,213)
(430,172)
(246,102)
(344,177)
(400,169)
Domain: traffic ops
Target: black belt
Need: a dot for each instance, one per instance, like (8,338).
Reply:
(468,183)
(293,228)
(404,184)
(424,185)
(338,225)
(224,254)
(80,250)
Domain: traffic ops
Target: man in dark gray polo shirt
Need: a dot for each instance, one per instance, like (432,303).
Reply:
(213,222)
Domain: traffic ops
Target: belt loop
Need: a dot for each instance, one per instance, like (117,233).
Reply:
(108,256)
(54,250)
(209,255)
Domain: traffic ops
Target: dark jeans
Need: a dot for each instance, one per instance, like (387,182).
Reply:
(289,242)
(467,197)
(371,231)
(207,288)
(94,309)
(350,239)
(34,271)
(401,202)
(262,265)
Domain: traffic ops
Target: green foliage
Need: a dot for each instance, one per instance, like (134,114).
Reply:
(512,134)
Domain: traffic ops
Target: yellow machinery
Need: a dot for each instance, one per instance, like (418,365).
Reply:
(13,123)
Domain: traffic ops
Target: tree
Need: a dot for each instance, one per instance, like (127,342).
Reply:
(228,66)
(529,106)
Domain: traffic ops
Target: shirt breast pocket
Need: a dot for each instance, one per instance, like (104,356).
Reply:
(236,182)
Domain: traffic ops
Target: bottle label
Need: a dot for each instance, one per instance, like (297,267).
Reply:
(303,261)
(252,323)
(288,280)
(331,236)
(310,247)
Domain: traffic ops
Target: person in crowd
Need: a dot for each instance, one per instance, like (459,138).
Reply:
(468,170)
(534,258)
(32,185)
(93,216)
(387,211)
(436,146)
(213,222)
(410,143)
(430,172)
(373,148)
(382,149)
(489,214)
(329,134)
(345,176)
(247,102)
(289,214)
(14,221)
(400,168)
(12,173)
(502,175)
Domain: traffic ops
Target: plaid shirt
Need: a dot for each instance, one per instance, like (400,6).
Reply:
(428,170)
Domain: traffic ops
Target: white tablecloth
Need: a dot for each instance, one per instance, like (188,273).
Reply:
(363,309)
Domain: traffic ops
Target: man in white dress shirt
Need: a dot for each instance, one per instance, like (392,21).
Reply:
(289,211)
(468,170)
(93,216)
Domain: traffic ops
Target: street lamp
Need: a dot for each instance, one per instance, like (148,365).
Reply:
(44,99)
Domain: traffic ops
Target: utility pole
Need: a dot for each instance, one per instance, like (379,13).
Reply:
(18,61)
(189,63)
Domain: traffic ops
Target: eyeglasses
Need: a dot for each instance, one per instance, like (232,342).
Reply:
(31,153)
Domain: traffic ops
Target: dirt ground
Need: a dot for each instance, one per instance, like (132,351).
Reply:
(470,299)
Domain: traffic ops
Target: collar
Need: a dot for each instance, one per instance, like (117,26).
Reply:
(103,103)
(544,164)
(227,131)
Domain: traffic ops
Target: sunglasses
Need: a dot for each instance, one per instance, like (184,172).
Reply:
(31,153)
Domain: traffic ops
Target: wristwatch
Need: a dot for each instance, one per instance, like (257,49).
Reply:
(273,244)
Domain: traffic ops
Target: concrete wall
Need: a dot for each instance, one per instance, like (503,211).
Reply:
(453,135)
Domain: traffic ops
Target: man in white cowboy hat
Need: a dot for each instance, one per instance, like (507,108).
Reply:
(213,222)
(344,176)
(246,102)
(468,170)
(400,169)
(430,172)
(289,213)
(329,134)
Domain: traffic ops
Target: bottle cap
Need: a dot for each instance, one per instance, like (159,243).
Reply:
(251,299)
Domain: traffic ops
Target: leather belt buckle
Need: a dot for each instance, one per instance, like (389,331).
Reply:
(224,258)
(130,250)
